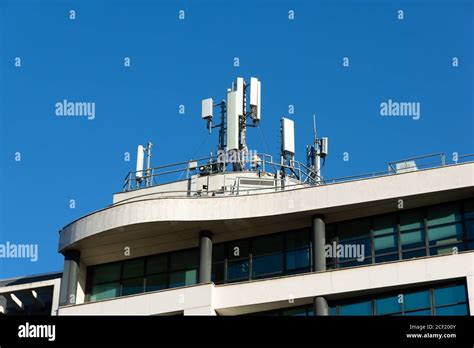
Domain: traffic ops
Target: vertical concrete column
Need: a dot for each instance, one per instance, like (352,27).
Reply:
(321,306)
(70,278)
(205,256)
(318,238)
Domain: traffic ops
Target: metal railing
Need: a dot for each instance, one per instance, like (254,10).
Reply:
(209,166)
(297,170)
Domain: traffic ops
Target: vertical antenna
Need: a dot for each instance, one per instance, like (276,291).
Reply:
(314,127)
(148,163)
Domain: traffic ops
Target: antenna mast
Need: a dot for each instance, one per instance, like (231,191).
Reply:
(232,146)
(314,153)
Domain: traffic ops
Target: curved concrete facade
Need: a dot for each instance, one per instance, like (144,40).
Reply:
(361,197)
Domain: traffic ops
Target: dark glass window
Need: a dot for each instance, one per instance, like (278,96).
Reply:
(107,273)
(416,300)
(156,282)
(238,270)
(157,264)
(450,295)
(133,268)
(388,305)
(359,308)
(132,286)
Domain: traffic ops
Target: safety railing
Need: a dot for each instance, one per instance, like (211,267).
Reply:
(297,170)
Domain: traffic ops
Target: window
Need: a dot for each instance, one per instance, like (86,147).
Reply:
(360,308)
(388,305)
(105,281)
(451,300)
(143,274)
(417,300)
(444,228)
(183,268)
(267,256)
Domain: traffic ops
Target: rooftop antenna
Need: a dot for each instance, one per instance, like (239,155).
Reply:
(139,175)
(314,153)
(287,155)
(233,124)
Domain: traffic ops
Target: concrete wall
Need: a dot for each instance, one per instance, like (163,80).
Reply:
(321,199)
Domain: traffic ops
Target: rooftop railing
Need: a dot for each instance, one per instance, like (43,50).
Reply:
(304,176)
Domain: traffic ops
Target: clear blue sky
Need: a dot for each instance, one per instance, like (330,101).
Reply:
(177,62)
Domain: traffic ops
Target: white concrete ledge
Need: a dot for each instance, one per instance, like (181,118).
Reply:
(312,199)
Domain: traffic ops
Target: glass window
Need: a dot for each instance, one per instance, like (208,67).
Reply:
(133,268)
(386,258)
(410,220)
(387,305)
(416,300)
(106,273)
(445,234)
(156,282)
(105,291)
(443,214)
(297,259)
(470,229)
(423,312)
(469,209)
(410,240)
(237,270)
(450,295)
(267,265)
(217,275)
(354,229)
(447,249)
(386,244)
(360,308)
(238,249)
(460,309)
(157,264)
(297,239)
(184,259)
(267,245)
(132,286)
(385,225)
(414,253)
(182,278)
(218,253)
(295,312)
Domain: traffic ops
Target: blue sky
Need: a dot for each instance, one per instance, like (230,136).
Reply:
(177,62)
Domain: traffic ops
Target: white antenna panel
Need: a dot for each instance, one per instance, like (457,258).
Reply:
(232,122)
(207,107)
(240,96)
(288,128)
(255,98)
(140,157)
(324,146)
(253,91)
(259,102)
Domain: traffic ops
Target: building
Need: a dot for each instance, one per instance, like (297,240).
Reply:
(239,239)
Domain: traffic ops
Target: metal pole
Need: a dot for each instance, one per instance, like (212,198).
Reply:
(148,162)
